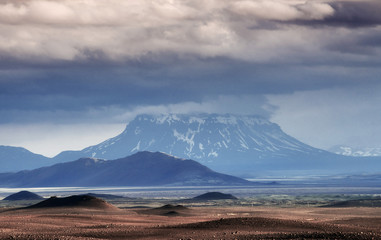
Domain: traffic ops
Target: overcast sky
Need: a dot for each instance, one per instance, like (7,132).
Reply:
(74,72)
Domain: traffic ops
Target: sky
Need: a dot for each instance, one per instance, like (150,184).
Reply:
(74,72)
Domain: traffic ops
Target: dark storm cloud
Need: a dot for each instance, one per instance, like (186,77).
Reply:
(351,14)
(355,14)
(81,89)
(365,45)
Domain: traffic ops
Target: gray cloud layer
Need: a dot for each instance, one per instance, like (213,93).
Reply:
(117,31)
(69,57)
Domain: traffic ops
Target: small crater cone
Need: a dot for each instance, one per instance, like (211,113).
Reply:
(214,196)
(23,195)
(76,201)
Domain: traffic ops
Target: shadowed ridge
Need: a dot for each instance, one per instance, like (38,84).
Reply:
(140,169)
(23,195)
(214,196)
(284,228)
(77,201)
(106,196)
(172,207)
(371,202)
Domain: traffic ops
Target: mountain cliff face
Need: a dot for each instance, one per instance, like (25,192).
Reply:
(140,169)
(239,145)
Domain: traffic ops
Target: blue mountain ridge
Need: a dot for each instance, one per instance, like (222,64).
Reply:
(139,169)
(18,158)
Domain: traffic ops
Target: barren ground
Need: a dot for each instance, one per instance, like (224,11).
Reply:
(192,223)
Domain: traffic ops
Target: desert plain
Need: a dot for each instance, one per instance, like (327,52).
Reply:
(225,219)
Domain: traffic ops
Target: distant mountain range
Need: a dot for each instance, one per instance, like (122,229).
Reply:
(357,152)
(17,158)
(245,146)
(140,169)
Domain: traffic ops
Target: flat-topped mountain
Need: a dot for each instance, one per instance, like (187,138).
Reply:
(227,143)
(233,144)
(140,169)
(207,138)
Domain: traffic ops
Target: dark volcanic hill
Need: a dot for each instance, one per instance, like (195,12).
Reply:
(167,210)
(370,202)
(82,201)
(140,169)
(23,195)
(214,196)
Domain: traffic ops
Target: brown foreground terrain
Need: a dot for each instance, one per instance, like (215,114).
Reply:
(179,222)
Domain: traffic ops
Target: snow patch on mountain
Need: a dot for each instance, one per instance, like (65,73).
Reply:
(356,152)
(136,148)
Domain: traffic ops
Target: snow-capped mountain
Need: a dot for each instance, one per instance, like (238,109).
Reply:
(357,152)
(245,146)
(228,143)
(206,138)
